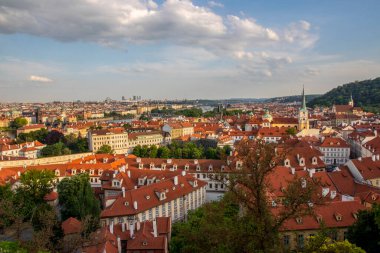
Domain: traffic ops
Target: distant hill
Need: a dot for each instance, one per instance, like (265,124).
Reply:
(365,93)
(291,99)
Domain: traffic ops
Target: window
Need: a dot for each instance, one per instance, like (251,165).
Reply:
(210,185)
(300,240)
(286,240)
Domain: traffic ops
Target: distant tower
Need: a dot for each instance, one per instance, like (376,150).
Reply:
(351,102)
(303,116)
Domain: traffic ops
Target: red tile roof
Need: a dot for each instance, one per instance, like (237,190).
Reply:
(71,226)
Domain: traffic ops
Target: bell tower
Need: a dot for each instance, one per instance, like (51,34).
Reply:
(303,115)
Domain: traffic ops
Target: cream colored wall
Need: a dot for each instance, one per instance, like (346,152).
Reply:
(41,161)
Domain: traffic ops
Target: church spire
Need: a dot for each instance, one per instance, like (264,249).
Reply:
(303,98)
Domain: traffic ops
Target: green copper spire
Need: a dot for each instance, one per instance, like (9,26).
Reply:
(303,98)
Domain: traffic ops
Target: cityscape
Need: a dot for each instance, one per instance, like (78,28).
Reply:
(144,126)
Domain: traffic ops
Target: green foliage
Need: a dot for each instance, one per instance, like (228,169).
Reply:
(188,150)
(39,135)
(11,247)
(35,184)
(217,220)
(329,246)
(291,131)
(365,94)
(118,116)
(54,137)
(365,232)
(77,199)
(105,149)
(56,149)
(76,144)
(18,122)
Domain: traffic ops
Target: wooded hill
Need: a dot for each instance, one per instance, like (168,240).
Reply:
(366,94)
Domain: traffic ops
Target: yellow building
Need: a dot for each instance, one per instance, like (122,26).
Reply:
(145,138)
(116,138)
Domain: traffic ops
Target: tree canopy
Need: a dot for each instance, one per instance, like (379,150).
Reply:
(105,149)
(77,198)
(365,232)
(18,122)
(365,94)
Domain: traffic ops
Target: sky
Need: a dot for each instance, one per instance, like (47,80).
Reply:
(171,49)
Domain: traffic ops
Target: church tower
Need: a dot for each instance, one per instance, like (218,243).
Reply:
(303,115)
(351,102)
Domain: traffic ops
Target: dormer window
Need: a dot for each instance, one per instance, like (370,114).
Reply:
(147,197)
(126,203)
(82,171)
(163,166)
(141,165)
(210,167)
(151,166)
(91,172)
(145,243)
(222,168)
(187,167)
(174,166)
(115,183)
(299,220)
(57,173)
(338,216)
(319,218)
(302,161)
(198,168)
(238,165)
(100,172)
(314,160)
(287,163)
(355,215)
(73,171)
(162,196)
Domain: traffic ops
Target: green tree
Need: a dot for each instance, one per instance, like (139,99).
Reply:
(18,122)
(163,152)
(35,184)
(365,232)
(105,149)
(77,199)
(11,247)
(291,131)
(137,151)
(321,243)
(56,149)
(153,151)
(217,220)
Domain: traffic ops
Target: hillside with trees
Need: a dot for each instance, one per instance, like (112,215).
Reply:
(366,94)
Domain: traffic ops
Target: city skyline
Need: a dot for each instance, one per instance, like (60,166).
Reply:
(90,50)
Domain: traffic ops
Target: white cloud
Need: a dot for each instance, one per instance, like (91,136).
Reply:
(215,4)
(41,79)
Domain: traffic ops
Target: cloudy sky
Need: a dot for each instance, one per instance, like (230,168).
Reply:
(93,49)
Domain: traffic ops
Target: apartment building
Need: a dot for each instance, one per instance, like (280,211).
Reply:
(336,151)
(116,138)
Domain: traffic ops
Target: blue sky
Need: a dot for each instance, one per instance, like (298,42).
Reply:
(93,49)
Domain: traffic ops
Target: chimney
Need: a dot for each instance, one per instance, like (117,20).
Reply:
(111,227)
(138,225)
(332,194)
(129,173)
(373,158)
(310,173)
(377,158)
(359,159)
(176,180)
(118,245)
(131,229)
(155,228)
(123,227)
(183,173)
(293,171)
(123,190)
(19,173)
(135,204)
